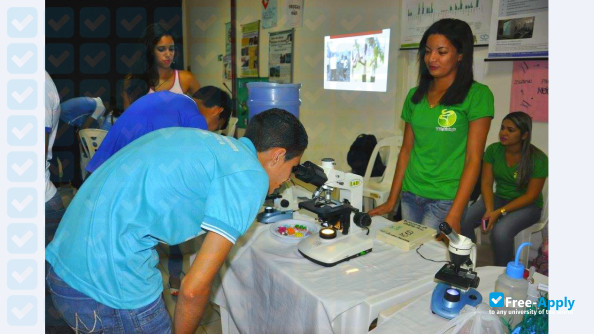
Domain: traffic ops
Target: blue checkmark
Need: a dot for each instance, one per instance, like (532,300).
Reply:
(21,274)
(21,202)
(65,88)
(21,166)
(21,130)
(170,19)
(130,58)
(59,22)
(22,22)
(21,310)
(94,22)
(22,58)
(59,58)
(94,58)
(22,94)
(496,299)
(130,22)
(21,238)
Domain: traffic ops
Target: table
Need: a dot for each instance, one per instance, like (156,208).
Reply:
(266,286)
(416,317)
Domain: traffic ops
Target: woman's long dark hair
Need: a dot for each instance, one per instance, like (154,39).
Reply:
(523,122)
(153,35)
(460,35)
(142,80)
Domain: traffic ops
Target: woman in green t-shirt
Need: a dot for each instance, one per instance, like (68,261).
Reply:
(519,170)
(447,118)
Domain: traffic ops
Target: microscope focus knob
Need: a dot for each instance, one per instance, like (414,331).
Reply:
(362,219)
(284,203)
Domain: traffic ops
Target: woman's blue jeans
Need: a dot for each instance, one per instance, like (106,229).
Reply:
(505,229)
(85,315)
(429,212)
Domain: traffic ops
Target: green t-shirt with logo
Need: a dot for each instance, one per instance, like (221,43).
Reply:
(505,176)
(437,158)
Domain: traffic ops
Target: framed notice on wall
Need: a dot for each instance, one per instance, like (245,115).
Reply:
(418,15)
(519,29)
(250,36)
(280,56)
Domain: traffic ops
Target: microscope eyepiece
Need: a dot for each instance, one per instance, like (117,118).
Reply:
(310,173)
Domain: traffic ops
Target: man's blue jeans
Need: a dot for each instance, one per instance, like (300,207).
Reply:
(429,212)
(85,315)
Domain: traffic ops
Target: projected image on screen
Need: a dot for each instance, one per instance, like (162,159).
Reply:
(357,61)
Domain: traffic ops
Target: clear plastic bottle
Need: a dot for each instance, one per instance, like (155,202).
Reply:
(512,284)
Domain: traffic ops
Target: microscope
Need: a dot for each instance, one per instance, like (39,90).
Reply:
(457,279)
(345,232)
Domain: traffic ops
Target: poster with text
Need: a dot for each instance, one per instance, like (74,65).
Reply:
(269,14)
(294,13)
(530,89)
(250,35)
(280,56)
(418,15)
(519,29)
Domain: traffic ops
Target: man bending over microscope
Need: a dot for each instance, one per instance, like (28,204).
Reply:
(169,185)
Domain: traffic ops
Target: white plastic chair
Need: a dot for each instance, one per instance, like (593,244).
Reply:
(527,234)
(230,129)
(90,139)
(378,188)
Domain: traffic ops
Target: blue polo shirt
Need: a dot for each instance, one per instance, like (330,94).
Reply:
(151,112)
(168,186)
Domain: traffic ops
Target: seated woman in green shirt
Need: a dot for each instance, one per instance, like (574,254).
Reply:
(519,170)
(447,118)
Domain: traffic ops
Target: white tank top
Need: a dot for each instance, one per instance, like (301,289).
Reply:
(175,87)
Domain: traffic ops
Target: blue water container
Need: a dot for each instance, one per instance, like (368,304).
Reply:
(265,95)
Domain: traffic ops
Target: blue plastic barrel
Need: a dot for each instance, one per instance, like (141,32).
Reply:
(265,95)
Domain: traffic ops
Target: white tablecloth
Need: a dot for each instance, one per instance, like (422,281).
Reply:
(416,317)
(268,287)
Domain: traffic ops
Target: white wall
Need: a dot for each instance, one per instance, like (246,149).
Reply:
(333,119)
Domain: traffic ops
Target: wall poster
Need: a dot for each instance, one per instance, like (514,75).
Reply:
(280,56)
(250,35)
(519,29)
(418,15)
(530,89)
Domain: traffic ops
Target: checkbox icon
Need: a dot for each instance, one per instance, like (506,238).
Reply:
(22,22)
(59,22)
(130,22)
(22,94)
(95,22)
(59,58)
(130,58)
(21,310)
(21,130)
(94,58)
(21,166)
(21,238)
(22,58)
(21,202)
(496,299)
(21,274)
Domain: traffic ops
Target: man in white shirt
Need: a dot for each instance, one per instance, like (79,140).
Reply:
(54,208)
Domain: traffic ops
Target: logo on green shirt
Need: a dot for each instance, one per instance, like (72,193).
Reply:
(447,118)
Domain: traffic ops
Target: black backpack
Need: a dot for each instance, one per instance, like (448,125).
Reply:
(360,153)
